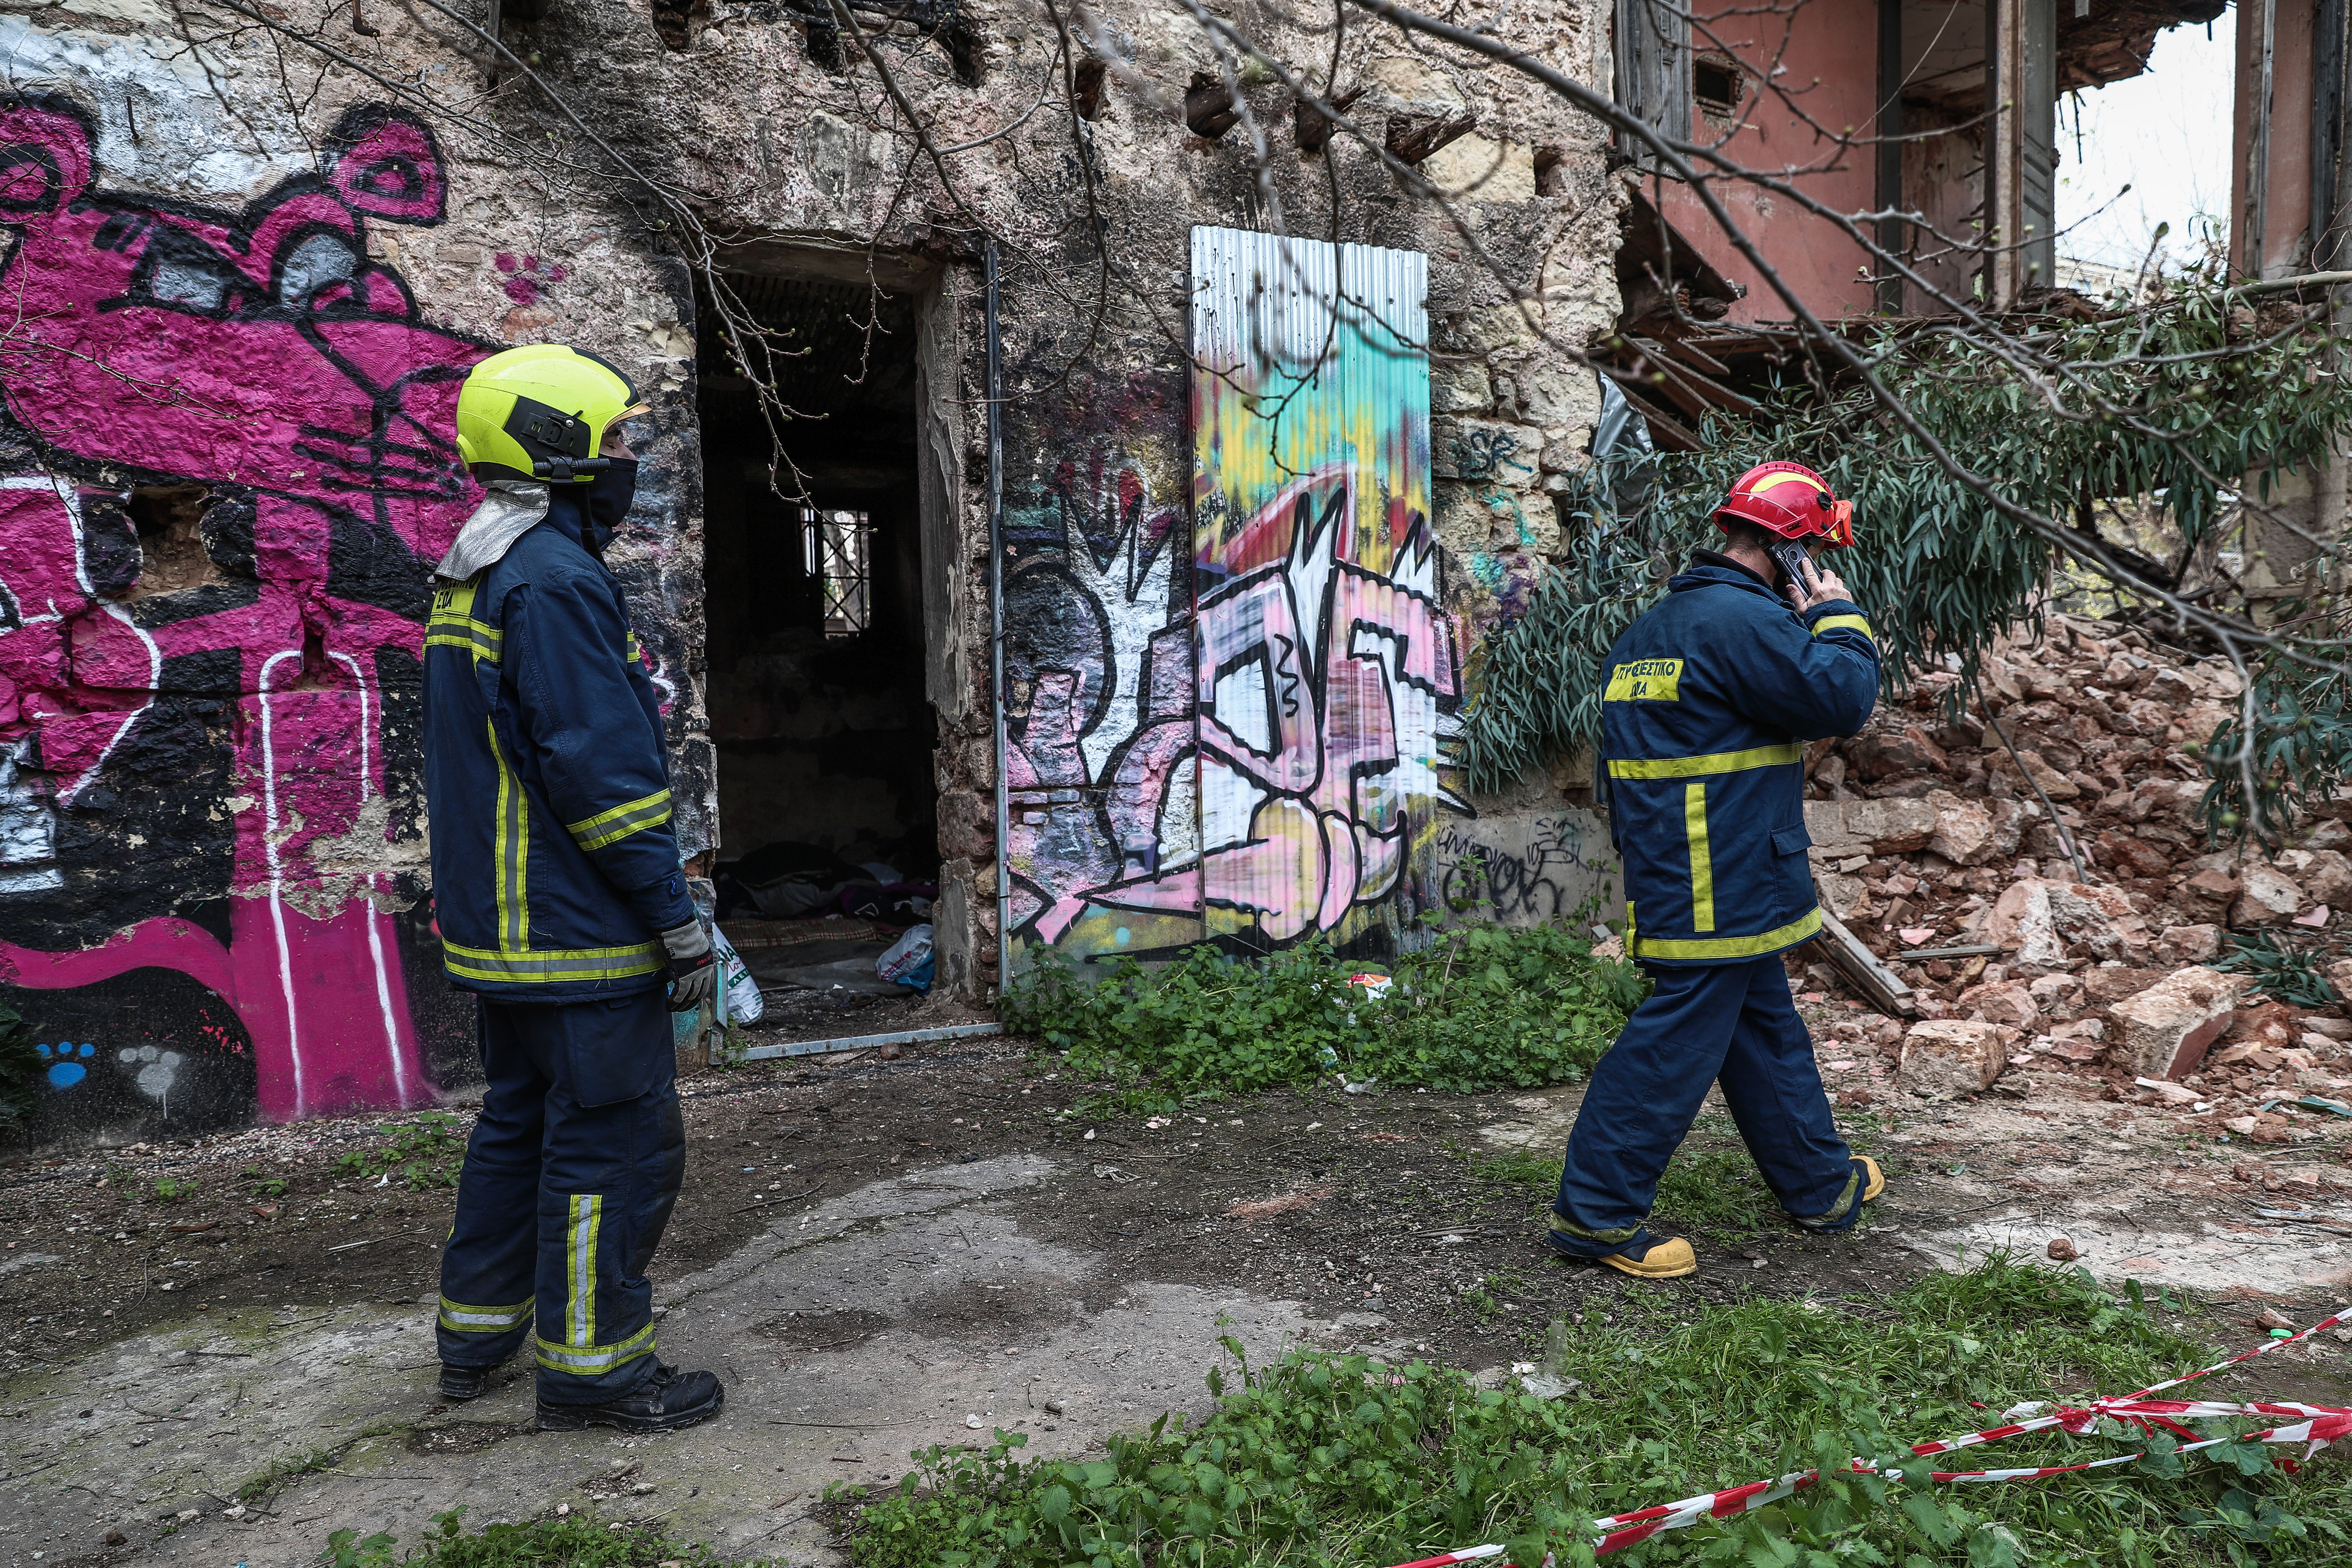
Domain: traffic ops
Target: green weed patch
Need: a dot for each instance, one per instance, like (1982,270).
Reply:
(1323,1460)
(1485,1007)
(577,1542)
(425,1153)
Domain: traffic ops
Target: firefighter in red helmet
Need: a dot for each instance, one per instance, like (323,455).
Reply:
(1711,697)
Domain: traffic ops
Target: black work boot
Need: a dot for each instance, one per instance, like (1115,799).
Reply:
(666,1402)
(464,1382)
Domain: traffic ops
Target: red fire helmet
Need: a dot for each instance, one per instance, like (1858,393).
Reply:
(1788,499)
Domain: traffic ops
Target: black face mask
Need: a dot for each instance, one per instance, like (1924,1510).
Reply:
(609,495)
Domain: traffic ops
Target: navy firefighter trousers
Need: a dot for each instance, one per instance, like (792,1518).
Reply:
(1731,1022)
(580,1127)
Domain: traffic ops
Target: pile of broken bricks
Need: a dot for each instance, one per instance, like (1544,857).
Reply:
(1929,835)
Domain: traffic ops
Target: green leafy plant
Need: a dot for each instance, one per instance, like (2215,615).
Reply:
(1482,1007)
(1322,1460)
(2296,751)
(260,1183)
(1940,570)
(572,1541)
(175,1189)
(2279,969)
(426,1152)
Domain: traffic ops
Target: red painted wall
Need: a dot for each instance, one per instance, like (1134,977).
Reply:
(1826,57)
(2285,245)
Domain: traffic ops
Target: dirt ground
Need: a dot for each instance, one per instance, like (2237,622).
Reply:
(985,1213)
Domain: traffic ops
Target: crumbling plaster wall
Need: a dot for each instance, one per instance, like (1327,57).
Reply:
(244,284)
(212,824)
(793,150)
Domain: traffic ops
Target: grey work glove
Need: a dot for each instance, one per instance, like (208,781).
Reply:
(693,966)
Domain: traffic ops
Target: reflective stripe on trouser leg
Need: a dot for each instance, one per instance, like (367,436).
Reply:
(584,1220)
(590,1360)
(1842,1213)
(460,1319)
(613,1158)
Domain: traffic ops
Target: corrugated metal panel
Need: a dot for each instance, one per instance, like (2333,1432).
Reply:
(1325,658)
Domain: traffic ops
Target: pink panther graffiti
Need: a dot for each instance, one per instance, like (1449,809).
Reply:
(266,355)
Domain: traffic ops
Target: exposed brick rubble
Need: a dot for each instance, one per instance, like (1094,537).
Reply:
(1927,835)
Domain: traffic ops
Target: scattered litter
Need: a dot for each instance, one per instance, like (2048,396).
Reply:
(1112,1173)
(2062,1250)
(344,1247)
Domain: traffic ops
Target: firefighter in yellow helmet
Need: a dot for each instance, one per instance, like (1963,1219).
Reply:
(561,905)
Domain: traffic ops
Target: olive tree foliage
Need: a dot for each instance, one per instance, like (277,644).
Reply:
(2175,401)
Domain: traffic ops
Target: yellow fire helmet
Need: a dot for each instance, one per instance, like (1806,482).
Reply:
(540,412)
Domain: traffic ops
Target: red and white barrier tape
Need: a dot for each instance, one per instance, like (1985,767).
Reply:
(2318,1426)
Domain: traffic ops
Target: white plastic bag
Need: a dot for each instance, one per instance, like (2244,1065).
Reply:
(907,959)
(740,993)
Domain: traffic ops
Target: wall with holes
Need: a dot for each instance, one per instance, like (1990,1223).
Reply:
(239,312)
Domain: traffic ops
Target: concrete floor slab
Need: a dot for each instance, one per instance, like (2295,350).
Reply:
(910,1312)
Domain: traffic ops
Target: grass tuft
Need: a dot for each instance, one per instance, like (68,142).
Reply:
(576,1540)
(1483,1007)
(1322,1460)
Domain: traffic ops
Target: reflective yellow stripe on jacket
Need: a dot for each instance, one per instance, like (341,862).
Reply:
(452,623)
(612,826)
(1702,864)
(515,960)
(1789,936)
(1851,623)
(1713,763)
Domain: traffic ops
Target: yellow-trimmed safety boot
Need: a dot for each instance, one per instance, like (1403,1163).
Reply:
(1670,1257)
(1874,1179)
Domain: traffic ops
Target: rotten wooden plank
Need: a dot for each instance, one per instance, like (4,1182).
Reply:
(1882,986)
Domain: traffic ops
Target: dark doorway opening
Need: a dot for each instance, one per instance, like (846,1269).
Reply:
(827,800)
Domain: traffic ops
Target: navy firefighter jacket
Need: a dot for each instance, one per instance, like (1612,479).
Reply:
(554,865)
(1711,697)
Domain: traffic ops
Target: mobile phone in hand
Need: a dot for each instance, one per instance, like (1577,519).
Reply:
(1796,562)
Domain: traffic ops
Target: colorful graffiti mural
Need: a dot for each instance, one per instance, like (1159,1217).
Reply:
(1101,817)
(231,437)
(1243,744)
(1328,668)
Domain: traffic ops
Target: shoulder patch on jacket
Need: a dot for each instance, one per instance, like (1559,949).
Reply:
(1645,681)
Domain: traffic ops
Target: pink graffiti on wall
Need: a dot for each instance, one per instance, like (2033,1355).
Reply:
(1310,671)
(264,354)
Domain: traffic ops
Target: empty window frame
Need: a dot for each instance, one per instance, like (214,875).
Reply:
(839,553)
(1716,85)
